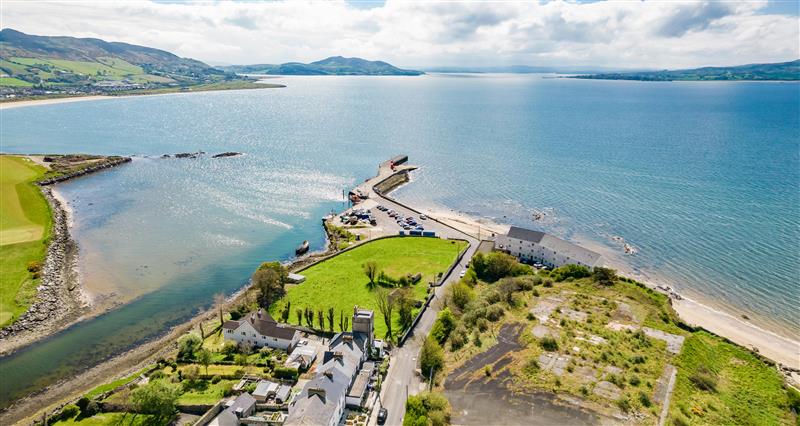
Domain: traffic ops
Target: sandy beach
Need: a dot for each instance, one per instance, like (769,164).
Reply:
(35,102)
(769,344)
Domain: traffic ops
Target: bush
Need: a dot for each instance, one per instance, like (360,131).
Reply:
(531,366)
(287,373)
(431,357)
(634,380)
(570,271)
(549,344)
(704,379)
(460,294)
(216,379)
(495,265)
(494,312)
(624,404)
(444,325)
(458,338)
(69,412)
(644,399)
(427,408)
(188,345)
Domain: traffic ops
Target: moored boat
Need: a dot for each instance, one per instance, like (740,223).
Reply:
(302,248)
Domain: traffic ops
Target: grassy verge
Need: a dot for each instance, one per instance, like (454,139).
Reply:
(25,225)
(340,282)
(116,419)
(115,384)
(721,383)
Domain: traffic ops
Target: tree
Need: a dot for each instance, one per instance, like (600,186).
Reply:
(330,319)
(460,294)
(371,271)
(219,304)
(346,323)
(309,317)
(299,313)
(427,408)
(321,319)
(286,311)
(495,265)
(405,307)
(157,398)
(341,321)
(204,358)
(604,276)
(189,344)
(269,285)
(444,325)
(386,307)
(431,357)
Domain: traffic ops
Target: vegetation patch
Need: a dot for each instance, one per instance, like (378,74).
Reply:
(24,227)
(341,282)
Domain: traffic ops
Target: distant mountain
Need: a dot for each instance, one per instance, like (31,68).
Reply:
(335,65)
(783,71)
(74,61)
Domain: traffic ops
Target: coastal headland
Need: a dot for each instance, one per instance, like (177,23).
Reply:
(48,292)
(371,193)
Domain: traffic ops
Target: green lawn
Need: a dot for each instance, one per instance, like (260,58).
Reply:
(206,392)
(115,384)
(340,281)
(109,67)
(14,82)
(116,419)
(747,392)
(24,225)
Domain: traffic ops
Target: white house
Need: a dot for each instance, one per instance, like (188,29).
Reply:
(536,246)
(259,329)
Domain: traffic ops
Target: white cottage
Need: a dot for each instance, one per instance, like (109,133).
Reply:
(259,329)
(535,246)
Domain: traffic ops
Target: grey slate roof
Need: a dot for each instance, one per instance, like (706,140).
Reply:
(566,248)
(225,418)
(245,402)
(264,324)
(316,409)
(525,234)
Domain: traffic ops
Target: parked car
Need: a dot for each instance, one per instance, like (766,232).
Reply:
(463,272)
(382,415)
(423,217)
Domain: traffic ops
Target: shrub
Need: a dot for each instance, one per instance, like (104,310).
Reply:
(431,357)
(476,338)
(531,366)
(549,344)
(188,345)
(158,374)
(427,408)
(634,380)
(444,325)
(495,265)
(69,412)
(34,266)
(460,294)
(644,399)
(285,373)
(458,338)
(570,271)
(216,379)
(482,324)
(624,404)
(494,312)
(704,379)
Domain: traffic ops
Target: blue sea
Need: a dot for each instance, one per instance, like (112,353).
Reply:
(702,179)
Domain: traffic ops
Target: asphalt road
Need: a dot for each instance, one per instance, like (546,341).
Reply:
(401,379)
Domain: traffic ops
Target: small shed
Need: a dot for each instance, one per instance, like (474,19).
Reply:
(296,278)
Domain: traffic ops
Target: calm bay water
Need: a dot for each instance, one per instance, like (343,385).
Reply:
(702,178)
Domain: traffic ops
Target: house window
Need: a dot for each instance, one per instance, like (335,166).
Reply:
(244,334)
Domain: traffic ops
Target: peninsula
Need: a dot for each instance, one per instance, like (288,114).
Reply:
(783,71)
(334,65)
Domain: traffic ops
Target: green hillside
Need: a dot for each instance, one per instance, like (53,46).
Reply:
(57,62)
(335,65)
(783,71)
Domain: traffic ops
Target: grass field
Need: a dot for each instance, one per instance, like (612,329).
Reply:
(340,282)
(24,226)
(748,391)
(116,419)
(107,67)
(14,82)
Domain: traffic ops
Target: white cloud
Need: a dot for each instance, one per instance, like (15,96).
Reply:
(615,33)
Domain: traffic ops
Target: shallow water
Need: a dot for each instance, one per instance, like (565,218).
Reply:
(702,178)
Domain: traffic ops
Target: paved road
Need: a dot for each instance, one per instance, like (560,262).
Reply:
(401,379)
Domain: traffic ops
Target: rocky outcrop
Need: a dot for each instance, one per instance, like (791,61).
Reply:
(226,154)
(101,165)
(58,299)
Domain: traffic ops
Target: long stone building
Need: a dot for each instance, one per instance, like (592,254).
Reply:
(536,246)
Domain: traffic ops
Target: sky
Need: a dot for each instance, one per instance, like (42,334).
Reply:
(618,34)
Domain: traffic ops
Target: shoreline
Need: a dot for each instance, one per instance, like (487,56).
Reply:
(772,344)
(22,103)
(60,301)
